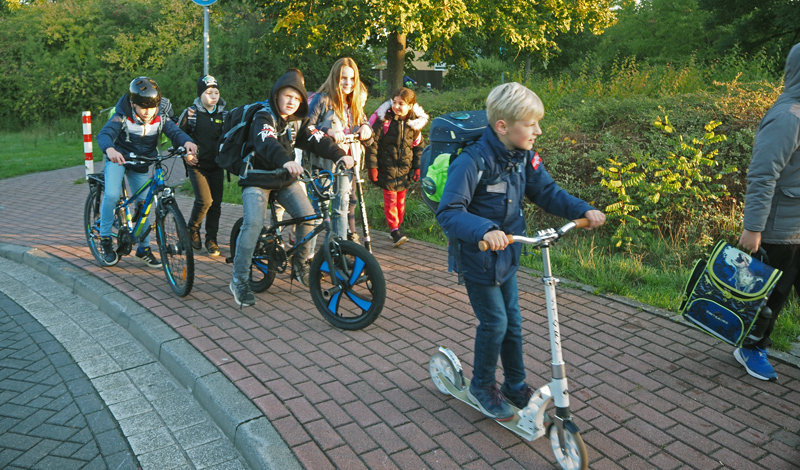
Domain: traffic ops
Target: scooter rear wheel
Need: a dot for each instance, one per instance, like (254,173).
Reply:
(440,363)
(576,457)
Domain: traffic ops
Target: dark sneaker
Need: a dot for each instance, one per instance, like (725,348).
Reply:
(148,258)
(300,271)
(518,398)
(107,248)
(195,236)
(242,294)
(490,401)
(398,238)
(212,248)
(756,363)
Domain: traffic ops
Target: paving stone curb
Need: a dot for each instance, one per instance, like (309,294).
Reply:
(240,420)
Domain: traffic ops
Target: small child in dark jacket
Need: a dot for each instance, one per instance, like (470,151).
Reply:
(470,212)
(203,122)
(393,158)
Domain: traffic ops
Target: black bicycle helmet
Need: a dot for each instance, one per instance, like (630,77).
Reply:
(145,92)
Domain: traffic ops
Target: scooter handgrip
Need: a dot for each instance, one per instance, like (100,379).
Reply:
(483,245)
(581,223)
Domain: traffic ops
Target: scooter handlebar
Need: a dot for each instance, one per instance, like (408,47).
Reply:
(542,236)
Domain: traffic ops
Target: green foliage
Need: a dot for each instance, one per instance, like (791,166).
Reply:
(668,189)
(480,72)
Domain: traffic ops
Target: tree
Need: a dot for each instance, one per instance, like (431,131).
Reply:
(522,24)
(770,25)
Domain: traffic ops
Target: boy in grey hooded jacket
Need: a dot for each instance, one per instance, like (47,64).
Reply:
(772,207)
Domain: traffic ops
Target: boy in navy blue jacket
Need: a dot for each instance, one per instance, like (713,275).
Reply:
(470,212)
(136,128)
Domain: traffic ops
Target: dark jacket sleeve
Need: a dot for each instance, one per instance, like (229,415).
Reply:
(416,151)
(462,179)
(371,147)
(271,153)
(313,140)
(108,134)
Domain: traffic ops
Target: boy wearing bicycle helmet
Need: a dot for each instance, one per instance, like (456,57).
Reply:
(273,136)
(136,128)
(488,206)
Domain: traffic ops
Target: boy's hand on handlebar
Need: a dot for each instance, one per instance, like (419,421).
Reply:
(294,168)
(750,240)
(191,148)
(596,218)
(347,160)
(496,239)
(115,156)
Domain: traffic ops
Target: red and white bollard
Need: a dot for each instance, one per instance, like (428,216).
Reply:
(87,143)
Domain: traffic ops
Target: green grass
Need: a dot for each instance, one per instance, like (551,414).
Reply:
(41,149)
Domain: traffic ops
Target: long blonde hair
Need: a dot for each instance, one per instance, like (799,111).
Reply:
(334,95)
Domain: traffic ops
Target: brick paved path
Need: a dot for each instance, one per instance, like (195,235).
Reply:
(50,414)
(647,392)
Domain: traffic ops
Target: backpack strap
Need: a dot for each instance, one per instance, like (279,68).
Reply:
(192,120)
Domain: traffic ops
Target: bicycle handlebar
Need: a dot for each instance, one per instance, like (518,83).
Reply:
(134,159)
(542,236)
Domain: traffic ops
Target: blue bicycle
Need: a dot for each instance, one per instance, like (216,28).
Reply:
(130,222)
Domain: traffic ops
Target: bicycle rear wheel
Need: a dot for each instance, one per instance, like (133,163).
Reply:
(175,246)
(361,294)
(261,276)
(91,223)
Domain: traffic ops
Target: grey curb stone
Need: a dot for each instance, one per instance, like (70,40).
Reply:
(239,419)
(225,403)
(258,437)
(185,363)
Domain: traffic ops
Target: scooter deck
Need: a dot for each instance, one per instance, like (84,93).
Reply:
(512,425)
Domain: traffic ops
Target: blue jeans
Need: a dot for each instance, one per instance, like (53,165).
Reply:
(499,332)
(255,202)
(114,174)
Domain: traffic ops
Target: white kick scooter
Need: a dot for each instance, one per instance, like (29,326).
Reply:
(531,422)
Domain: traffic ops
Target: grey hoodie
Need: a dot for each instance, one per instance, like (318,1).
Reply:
(772,202)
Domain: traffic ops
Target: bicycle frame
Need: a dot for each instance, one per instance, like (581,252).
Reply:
(136,225)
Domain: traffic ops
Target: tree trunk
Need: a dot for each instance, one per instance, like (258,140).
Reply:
(395,62)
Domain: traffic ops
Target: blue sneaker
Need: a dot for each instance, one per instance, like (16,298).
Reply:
(490,401)
(755,362)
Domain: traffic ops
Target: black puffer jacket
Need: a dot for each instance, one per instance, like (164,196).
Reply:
(397,150)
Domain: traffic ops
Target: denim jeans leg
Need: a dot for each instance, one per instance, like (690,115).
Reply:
(202,198)
(499,332)
(340,206)
(254,206)
(113,174)
(294,200)
(136,181)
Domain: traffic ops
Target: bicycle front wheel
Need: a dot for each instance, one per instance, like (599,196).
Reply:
(261,275)
(358,299)
(91,223)
(177,256)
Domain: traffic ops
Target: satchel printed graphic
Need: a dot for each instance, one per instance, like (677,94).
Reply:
(725,295)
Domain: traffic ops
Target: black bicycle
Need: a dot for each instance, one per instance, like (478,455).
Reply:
(130,225)
(346,281)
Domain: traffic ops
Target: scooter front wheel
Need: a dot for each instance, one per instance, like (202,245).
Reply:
(441,364)
(574,455)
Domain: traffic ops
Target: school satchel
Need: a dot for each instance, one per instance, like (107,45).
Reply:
(726,296)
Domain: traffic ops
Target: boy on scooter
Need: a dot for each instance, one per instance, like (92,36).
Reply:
(487,206)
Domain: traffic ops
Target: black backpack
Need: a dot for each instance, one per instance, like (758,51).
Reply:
(449,135)
(235,151)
